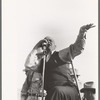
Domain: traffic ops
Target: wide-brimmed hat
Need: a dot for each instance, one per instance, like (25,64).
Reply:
(88,86)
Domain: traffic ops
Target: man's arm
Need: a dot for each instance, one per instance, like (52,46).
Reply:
(33,59)
(75,49)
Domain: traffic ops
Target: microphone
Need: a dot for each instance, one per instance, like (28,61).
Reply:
(45,45)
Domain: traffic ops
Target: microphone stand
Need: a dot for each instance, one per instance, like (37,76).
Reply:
(43,72)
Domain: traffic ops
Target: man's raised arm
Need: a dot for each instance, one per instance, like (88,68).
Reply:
(76,48)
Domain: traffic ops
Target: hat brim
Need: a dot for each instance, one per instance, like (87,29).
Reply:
(87,89)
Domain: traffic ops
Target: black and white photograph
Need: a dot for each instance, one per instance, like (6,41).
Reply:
(50,50)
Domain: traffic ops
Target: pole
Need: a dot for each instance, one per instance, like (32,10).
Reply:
(43,72)
(76,80)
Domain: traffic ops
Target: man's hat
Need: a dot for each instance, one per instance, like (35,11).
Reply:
(88,86)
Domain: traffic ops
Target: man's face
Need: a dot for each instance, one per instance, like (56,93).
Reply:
(51,42)
(89,95)
(52,47)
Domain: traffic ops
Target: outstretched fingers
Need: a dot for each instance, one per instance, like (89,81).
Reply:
(88,26)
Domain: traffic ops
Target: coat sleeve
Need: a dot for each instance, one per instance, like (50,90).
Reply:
(32,59)
(73,50)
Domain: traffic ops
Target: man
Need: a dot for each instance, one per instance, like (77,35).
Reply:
(89,91)
(57,81)
(33,68)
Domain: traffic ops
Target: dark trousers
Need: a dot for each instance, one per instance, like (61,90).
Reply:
(62,93)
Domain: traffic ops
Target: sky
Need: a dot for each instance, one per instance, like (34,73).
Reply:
(25,22)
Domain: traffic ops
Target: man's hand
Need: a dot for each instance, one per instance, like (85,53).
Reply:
(84,28)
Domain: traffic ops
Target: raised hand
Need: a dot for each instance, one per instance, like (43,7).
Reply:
(84,28)
(88,26)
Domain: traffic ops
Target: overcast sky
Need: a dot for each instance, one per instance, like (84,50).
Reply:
(25,22)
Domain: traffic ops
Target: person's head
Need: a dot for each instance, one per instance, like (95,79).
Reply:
(89,95)
(89,91)
(51,43)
